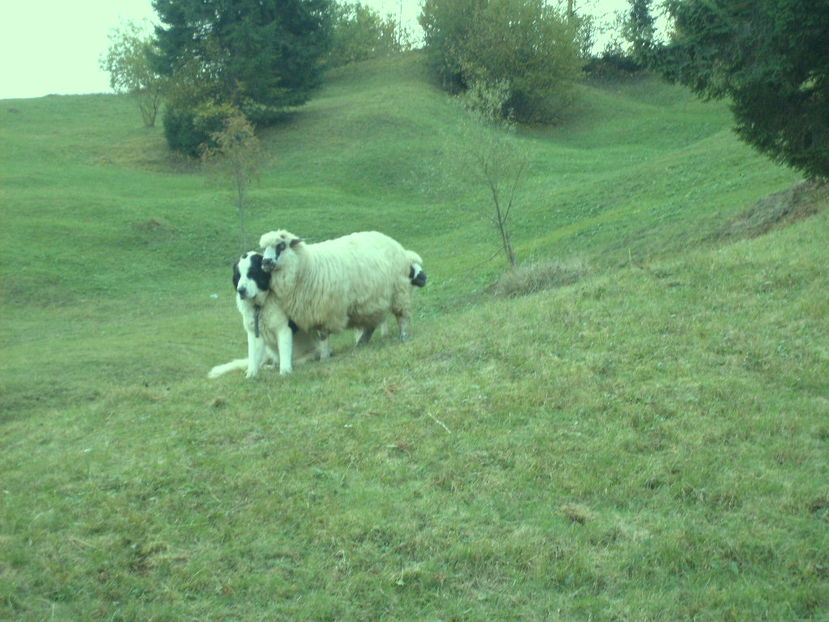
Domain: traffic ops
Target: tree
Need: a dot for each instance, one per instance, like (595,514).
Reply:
(639,29)
(528,44)
(769,59)
(446,27)
(236,157)
(261,56)
(490,154)
(130,69)
(359,33)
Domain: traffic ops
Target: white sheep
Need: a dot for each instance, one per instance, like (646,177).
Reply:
(349,282)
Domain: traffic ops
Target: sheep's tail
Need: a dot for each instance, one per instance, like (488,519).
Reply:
(220,370)
(416,274)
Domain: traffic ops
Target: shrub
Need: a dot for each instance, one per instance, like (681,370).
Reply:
(190,130)
(524,42)
(359,33)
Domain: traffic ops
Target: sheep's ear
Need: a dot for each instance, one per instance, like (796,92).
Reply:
(295,241)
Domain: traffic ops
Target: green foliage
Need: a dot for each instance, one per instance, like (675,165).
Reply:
(359,33)
(524,42)
(191,129)
(131,71)
(638,29)
(446,28)
(769,60)
(260,57)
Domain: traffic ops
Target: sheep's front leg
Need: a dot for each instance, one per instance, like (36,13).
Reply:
(285,345)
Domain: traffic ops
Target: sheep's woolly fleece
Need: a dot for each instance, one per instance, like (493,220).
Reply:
(349,282)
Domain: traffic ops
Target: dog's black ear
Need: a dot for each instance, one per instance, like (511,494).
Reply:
(236,275)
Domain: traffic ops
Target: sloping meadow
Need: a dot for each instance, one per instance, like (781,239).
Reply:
(644,438)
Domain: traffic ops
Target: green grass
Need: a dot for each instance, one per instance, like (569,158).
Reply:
(649,442)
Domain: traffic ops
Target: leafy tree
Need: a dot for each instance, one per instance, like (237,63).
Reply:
(769,59)
(130,70)
(526,43)
(237,157)
(446,27)
(261,56)
(359,33)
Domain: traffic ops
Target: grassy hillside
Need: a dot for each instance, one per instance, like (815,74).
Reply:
(647,443)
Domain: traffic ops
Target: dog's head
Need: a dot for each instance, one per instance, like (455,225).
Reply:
(250,281)
(274,244)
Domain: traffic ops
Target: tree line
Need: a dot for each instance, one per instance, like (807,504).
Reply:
(210,60)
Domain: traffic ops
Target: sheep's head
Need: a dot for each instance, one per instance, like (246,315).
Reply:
(274,245)
(416,275)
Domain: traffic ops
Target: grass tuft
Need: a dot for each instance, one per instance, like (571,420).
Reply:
(779,209)
(539,276)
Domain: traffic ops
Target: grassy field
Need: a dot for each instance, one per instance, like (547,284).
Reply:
(647,440)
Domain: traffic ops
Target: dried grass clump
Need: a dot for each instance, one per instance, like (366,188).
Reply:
(779,209)
(539,276)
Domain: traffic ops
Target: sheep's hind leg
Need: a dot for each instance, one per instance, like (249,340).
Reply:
(365,336)
(323,345)
(404,323)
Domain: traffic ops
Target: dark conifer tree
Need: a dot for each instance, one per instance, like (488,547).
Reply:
(259,56)
(770,60)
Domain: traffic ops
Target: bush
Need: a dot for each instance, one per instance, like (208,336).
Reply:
(526,43)
(359,33)
(190,130)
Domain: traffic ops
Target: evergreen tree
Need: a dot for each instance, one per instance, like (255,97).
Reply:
(639,29)
(769,59)
(260,56)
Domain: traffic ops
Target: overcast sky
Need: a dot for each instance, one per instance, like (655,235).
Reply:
(54,46)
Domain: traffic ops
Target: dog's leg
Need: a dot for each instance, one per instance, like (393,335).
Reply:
(256,354)
(285,345)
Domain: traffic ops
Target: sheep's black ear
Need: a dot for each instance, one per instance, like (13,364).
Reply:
(295,241)
(236,275)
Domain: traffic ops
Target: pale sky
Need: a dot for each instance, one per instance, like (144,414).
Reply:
(54,46)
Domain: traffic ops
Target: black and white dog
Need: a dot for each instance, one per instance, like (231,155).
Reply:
(267,327)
